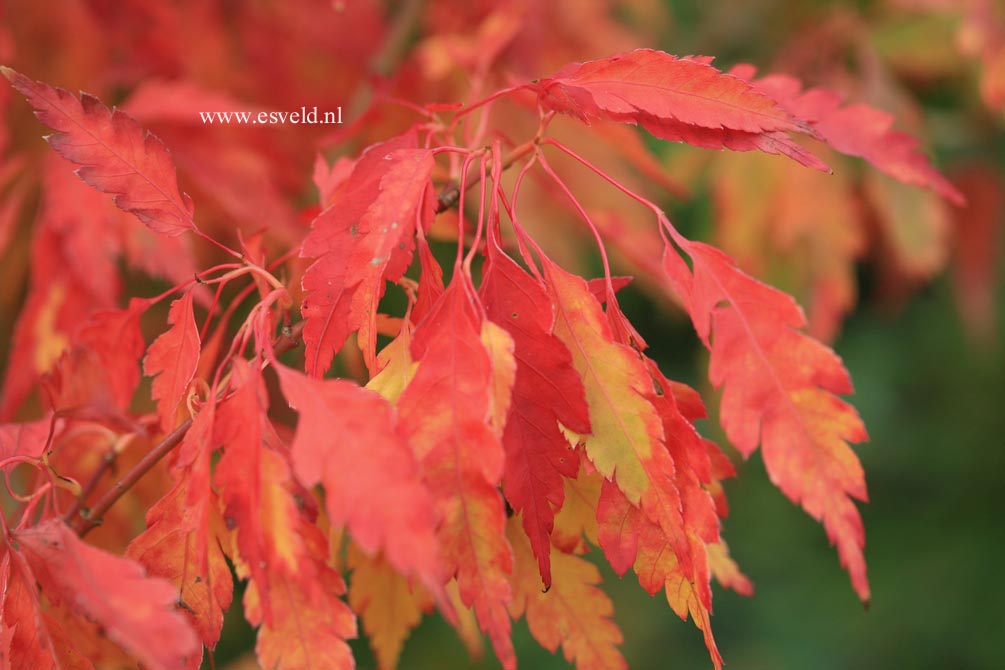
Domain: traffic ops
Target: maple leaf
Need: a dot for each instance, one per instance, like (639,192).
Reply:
(444,412)
(546,392)
(170,548)
(309,622)
(855,130)
(136,611)
(364,238)
(630,540)
(653,85)
(253,481)
(116,155)
(779,390)
(626,444)
(573,612)
(400,520)
(389,606)
(172,360)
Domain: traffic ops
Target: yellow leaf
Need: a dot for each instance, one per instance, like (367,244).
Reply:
(573,613)
(387,605)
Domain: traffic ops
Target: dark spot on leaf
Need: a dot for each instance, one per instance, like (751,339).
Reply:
(231,522)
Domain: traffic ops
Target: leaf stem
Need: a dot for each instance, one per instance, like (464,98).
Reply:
(450,196)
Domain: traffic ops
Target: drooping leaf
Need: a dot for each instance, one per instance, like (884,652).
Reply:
(137,612)
(573,612)
(445,412)
(172,360)
(388,605)
(780,390)
(253,480)
(363,239)
(309,622)
(626,443)
(116,155)
(547,392)
(169,548)
(629,539)
(855,130)
(347,439)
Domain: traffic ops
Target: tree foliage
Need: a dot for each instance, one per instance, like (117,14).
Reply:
(472,413)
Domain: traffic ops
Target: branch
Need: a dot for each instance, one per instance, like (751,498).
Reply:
(89,518)
(84,519)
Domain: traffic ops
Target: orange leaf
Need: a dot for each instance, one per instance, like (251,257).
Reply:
(169,548)
(310,624)
(626,443)
(573,613)
(779,389)
(387,604)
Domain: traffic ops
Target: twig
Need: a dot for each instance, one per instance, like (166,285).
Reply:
(89,518)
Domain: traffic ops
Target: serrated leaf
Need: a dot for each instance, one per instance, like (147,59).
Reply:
(363,239)
(172,360)
(654,84)
(780,390)
(118,157)
(372,482)
(546,392)
(389,607)
(573,612)
(136,611)
(445,413)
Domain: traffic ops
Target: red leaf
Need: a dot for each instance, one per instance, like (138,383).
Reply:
(856,130)
(376,491)
(547,391)
(646,84)
(445,412)
(253,482)
(310,623)
(172,360)
(626,443)
(136,611)
(779,389)
(117,156)
(364,238)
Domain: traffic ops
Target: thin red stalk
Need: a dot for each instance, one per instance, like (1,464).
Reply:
(589,222)
(481,219)
(450,196)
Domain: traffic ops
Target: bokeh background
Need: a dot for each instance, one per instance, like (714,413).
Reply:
(922,339)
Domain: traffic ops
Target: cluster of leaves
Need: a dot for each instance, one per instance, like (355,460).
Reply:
(512,418)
